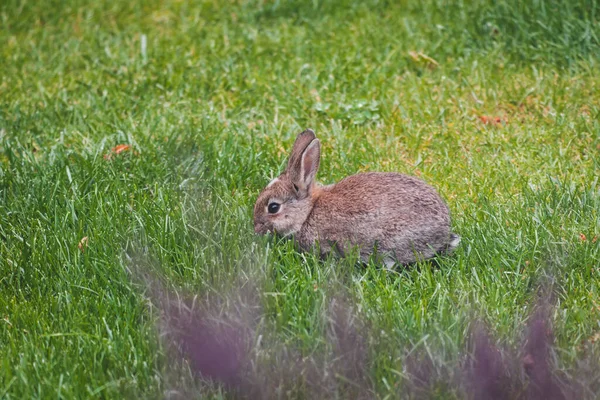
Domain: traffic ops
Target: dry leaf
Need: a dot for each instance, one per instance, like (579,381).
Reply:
(595,337)
(487,120)
(83,243)
(118,149)
(582,237)
(121,148)
(422,58)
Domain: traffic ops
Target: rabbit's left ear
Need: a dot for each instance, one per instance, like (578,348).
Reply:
(303,173)
(303,140)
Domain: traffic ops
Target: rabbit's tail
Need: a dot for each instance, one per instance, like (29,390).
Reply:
(452,244)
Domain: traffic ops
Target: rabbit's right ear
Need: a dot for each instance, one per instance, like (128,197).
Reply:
(304,162)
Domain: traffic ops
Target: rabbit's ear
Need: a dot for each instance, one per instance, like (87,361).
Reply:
(301,143)
(303,175)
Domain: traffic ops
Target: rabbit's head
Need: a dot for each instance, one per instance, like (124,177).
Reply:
(286,202)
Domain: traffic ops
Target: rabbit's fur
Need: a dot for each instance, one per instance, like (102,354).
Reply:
(401,217)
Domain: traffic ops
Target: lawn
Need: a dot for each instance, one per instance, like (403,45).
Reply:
(495,103)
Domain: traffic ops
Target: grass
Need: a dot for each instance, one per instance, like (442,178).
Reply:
(210,95)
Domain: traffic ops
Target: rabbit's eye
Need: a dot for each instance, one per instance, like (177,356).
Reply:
(273,207)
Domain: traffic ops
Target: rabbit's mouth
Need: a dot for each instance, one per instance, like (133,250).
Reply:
(261,229)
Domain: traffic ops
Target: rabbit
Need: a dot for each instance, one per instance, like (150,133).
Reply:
(398,218)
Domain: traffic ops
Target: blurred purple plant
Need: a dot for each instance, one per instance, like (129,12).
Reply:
(216,349)
(221,342)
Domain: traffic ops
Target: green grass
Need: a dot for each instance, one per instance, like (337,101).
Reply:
(210,108)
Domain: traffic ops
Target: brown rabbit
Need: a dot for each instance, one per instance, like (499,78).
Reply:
(401,217)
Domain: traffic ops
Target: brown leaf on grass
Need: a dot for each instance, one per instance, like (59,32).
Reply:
(595,337)
(582,237)
(118,149)
(83,243)
(121,148)
(424,59)
(489,120)
(585,111)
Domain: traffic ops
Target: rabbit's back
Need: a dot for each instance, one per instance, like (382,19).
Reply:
(400,215)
